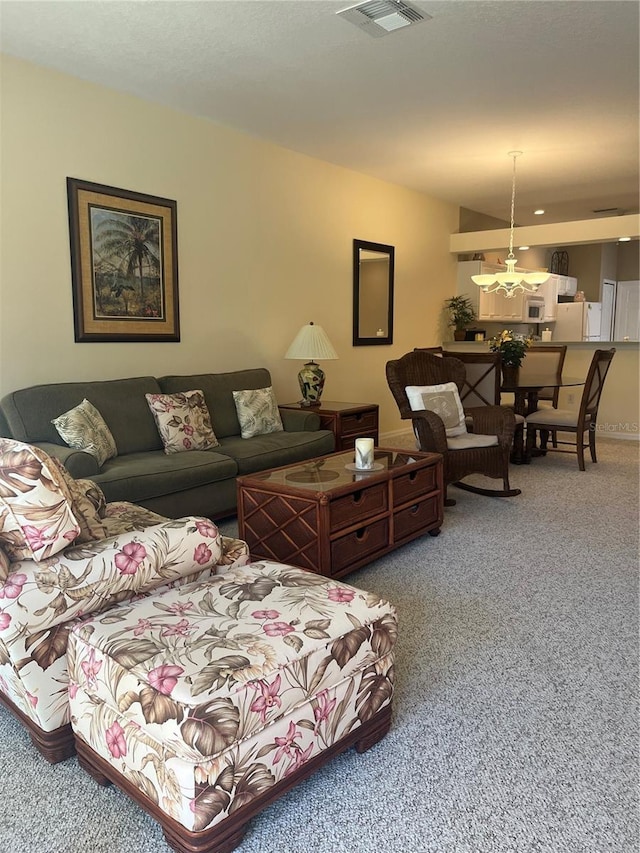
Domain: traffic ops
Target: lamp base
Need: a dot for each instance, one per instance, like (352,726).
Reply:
(311,380)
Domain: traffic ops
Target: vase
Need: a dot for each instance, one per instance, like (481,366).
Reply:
(510,375)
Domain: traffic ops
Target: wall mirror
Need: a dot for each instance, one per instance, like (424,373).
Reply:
(372,293)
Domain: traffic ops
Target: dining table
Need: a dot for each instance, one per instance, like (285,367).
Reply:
(525,391)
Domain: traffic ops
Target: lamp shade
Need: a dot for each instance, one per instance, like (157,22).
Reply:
(311,342)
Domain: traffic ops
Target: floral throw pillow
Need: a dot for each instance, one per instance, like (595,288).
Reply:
(83,496)
(84,428)
(36,516)
(442,399)
(183,421)
(257,412)
(5,565)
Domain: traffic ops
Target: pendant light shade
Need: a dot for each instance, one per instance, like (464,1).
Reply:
(510,282)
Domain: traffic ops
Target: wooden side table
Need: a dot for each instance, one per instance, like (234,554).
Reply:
(347,421)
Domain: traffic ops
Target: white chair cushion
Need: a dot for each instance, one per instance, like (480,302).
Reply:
(469,440)
(556,417)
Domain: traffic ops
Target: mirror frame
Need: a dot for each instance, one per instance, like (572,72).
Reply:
(382,248)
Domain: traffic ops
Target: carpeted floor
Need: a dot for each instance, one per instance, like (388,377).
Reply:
(516,711)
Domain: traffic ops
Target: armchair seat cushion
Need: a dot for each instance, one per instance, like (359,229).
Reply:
(470,440)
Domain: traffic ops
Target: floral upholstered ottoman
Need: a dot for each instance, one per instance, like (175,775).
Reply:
(207,702)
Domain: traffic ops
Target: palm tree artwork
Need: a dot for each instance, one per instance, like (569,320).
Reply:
(127,264)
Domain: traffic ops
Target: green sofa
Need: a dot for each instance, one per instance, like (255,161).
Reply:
(196,482)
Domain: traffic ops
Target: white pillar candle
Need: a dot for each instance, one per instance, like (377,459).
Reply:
(364,453)
(546,334)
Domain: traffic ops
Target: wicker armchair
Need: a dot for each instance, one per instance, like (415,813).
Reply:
(423,368)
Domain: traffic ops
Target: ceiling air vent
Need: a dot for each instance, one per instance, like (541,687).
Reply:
(381,17)
(609,211)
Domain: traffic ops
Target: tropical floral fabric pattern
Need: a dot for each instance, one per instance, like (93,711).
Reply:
(207,695)
(84,428)
(5,565)
(36,516)
(85,501)
(40,601)
(257,411)
(183,421)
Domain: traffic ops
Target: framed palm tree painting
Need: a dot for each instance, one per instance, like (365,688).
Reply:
(124,264)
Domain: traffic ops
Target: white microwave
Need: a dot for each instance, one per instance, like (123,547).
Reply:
(534,309)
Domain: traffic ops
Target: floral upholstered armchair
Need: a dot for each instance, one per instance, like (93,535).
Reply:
(65,555)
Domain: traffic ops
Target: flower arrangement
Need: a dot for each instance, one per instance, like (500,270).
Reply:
(512,347)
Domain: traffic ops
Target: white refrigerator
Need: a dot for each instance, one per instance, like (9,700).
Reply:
(578,321)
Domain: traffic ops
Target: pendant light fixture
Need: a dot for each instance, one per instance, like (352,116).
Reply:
(510,282)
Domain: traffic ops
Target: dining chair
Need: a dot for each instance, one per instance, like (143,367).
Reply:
(434,350)
(482,388)
(551,420)
(485,451)
(542,361)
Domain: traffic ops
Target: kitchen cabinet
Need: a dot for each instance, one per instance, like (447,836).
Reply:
(567,285)
(497,307)
(494,307)
(549,291)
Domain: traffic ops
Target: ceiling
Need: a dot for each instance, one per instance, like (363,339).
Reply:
(435,106)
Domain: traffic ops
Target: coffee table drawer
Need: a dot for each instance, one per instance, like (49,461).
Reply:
(359,544)
(414,484)
(420,516)
(364,503)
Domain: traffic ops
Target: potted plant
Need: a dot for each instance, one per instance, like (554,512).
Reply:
(512,348)
(461,314)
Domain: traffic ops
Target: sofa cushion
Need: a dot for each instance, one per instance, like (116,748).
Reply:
(141,476)
(183,421)
(84,428)
(36,516)
(276,448)
(218,391)
(257,412)
(121,402)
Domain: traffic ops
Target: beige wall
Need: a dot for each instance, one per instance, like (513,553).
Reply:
(628,268)
(264,243)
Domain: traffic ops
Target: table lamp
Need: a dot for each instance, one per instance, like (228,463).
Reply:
(311,342)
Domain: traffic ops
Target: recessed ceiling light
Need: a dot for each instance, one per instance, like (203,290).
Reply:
(522,248)
(624,239)
(539,212)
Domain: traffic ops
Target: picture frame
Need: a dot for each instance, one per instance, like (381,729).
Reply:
(124,264)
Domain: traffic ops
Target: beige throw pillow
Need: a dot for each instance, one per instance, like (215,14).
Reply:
(258,412)
(183,421)
(442,399)
(84,428)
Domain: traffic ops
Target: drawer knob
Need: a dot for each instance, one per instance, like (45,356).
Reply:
(413,475)
(357,497)
(414,509)
(361,534)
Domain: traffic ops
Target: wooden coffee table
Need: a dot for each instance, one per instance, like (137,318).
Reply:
(323,516)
